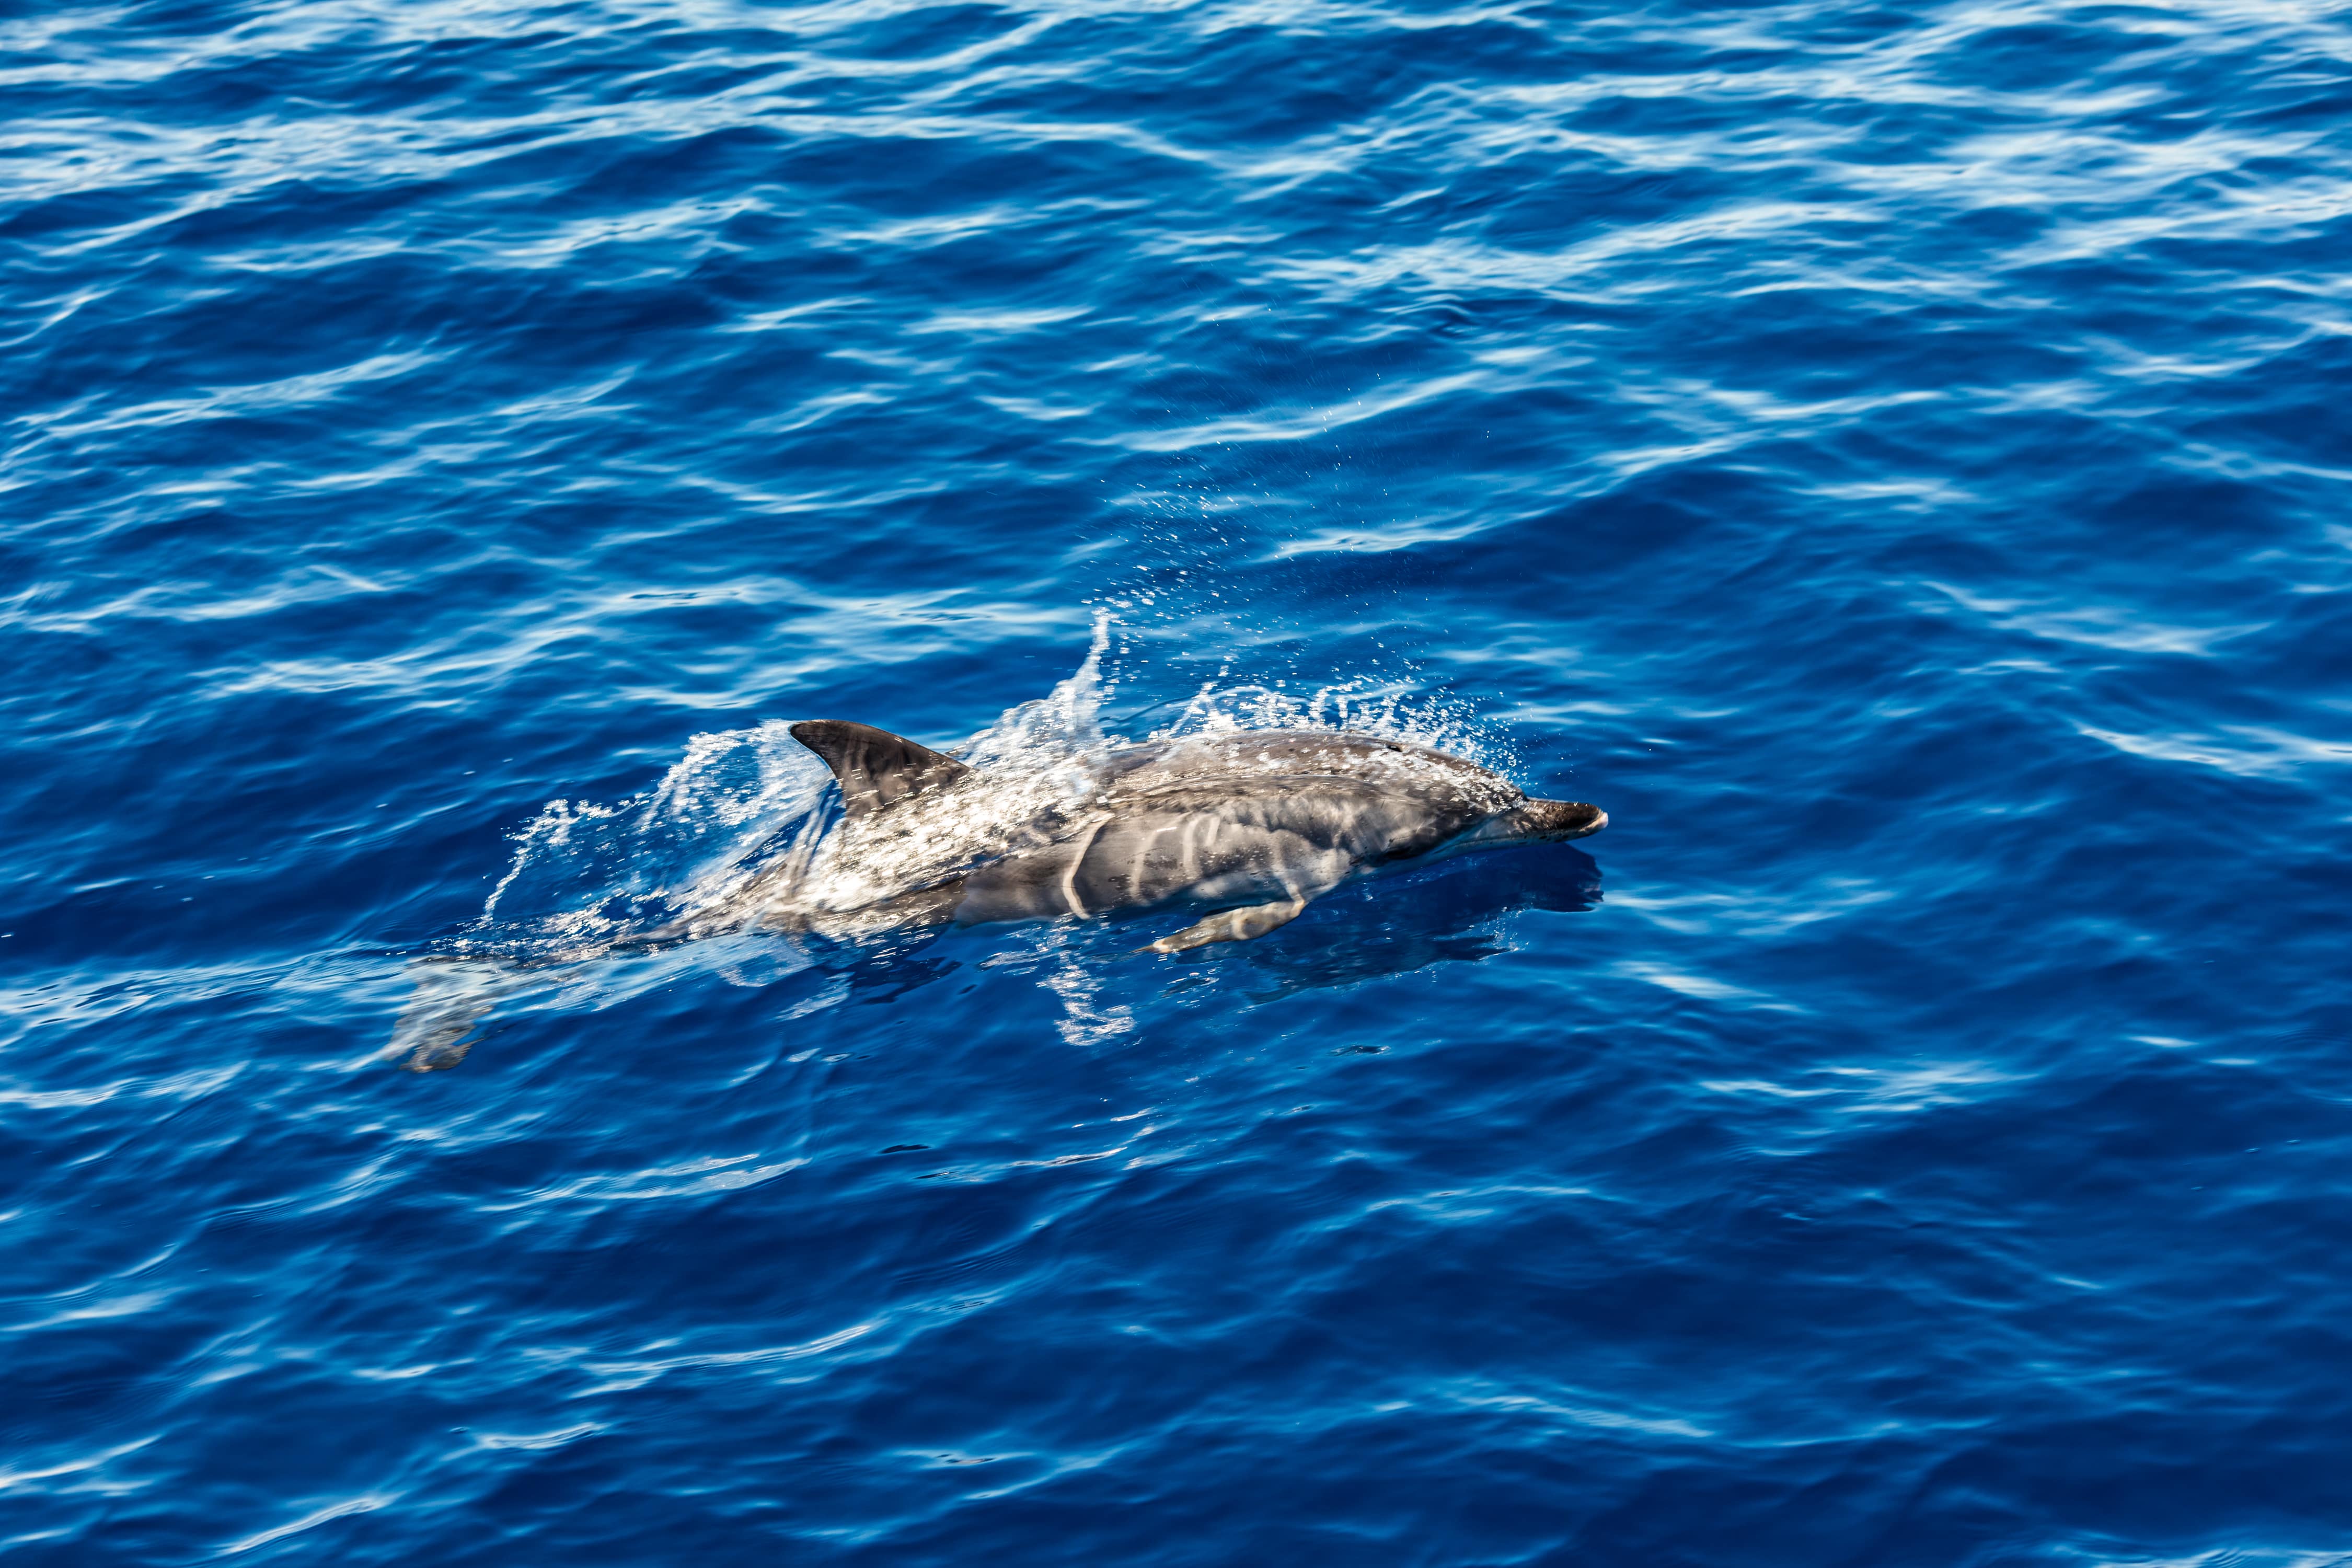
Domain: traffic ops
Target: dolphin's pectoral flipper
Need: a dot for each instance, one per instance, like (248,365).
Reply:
(1231,925)
(875,768)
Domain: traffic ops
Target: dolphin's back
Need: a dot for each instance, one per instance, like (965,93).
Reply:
(1244,753)
(1238,820)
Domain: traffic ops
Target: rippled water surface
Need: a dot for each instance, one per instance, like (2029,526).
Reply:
(1893,458)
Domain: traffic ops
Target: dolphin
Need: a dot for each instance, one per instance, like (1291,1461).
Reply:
(1248,825)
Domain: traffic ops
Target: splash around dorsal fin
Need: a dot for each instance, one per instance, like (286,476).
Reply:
(875,768)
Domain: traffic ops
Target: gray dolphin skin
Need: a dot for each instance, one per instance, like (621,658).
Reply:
(1250,823)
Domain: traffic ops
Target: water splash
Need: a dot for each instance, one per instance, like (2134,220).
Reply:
(1037,764)
(584,873)
(1393,709)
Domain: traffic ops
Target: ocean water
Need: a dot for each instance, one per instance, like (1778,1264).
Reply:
(1892,457)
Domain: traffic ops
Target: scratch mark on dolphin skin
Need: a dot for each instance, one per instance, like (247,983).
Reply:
(1070,877)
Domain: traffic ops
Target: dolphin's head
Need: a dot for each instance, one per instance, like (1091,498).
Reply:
(1543,822)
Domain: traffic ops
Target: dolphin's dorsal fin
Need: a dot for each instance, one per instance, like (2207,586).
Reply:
(875,768)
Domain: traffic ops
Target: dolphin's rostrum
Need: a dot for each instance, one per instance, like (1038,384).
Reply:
(1251,824)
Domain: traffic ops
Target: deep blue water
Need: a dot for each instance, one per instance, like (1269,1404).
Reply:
(1893,457)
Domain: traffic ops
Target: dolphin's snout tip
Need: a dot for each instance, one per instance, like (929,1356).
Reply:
(1550,819)
(1579,820)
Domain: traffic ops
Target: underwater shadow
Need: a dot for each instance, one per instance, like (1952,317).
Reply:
(1451,913)
(1448,914)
